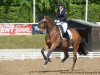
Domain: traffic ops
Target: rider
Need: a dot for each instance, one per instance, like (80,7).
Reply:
(62,21)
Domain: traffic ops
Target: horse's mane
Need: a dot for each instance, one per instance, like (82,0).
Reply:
(50,20)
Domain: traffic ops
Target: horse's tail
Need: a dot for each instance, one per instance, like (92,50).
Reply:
(83,49)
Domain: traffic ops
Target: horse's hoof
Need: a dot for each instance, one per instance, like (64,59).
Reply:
(72,69)
(62,63)
(45,62)
(49,60)
(43,67)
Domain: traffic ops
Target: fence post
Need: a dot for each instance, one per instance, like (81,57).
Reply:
(78,55)
(91,55)
(61,55)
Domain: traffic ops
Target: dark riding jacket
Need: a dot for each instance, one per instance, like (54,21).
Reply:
(62,16)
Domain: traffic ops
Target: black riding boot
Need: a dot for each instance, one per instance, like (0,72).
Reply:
(66,35)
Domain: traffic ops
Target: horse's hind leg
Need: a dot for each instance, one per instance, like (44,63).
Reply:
(65,54)
(75,48)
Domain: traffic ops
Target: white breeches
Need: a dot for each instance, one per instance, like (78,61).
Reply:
(63,24)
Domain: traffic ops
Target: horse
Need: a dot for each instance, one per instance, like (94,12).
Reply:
(54,40)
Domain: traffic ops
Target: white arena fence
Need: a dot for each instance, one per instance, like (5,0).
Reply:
(21,54)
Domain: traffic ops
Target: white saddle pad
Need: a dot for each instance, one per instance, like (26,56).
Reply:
(70,34)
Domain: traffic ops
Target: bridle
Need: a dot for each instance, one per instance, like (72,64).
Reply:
(42,21)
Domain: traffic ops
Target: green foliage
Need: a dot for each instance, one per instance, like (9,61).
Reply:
(22,10)
(46,7)
(94,12)
(75,9)
(16,11)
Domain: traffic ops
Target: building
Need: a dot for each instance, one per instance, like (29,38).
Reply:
(90,33)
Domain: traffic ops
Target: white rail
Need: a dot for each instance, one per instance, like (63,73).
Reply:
(90,54)
(21,54)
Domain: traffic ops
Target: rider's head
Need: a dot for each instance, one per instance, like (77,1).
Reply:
(61,6)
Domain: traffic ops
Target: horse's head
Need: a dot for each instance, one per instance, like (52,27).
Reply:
(46,22)
(42,24)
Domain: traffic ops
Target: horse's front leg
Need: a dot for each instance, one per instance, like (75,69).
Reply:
(48,55)
(42,51)
(53,46)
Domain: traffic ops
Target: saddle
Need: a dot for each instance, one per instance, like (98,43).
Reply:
(65,35)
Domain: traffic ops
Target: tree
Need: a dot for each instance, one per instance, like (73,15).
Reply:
(76,8)
(25,11)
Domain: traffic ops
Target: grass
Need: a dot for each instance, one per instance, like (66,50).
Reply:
(22,42)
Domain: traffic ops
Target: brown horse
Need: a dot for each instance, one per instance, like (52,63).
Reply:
(53,40)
